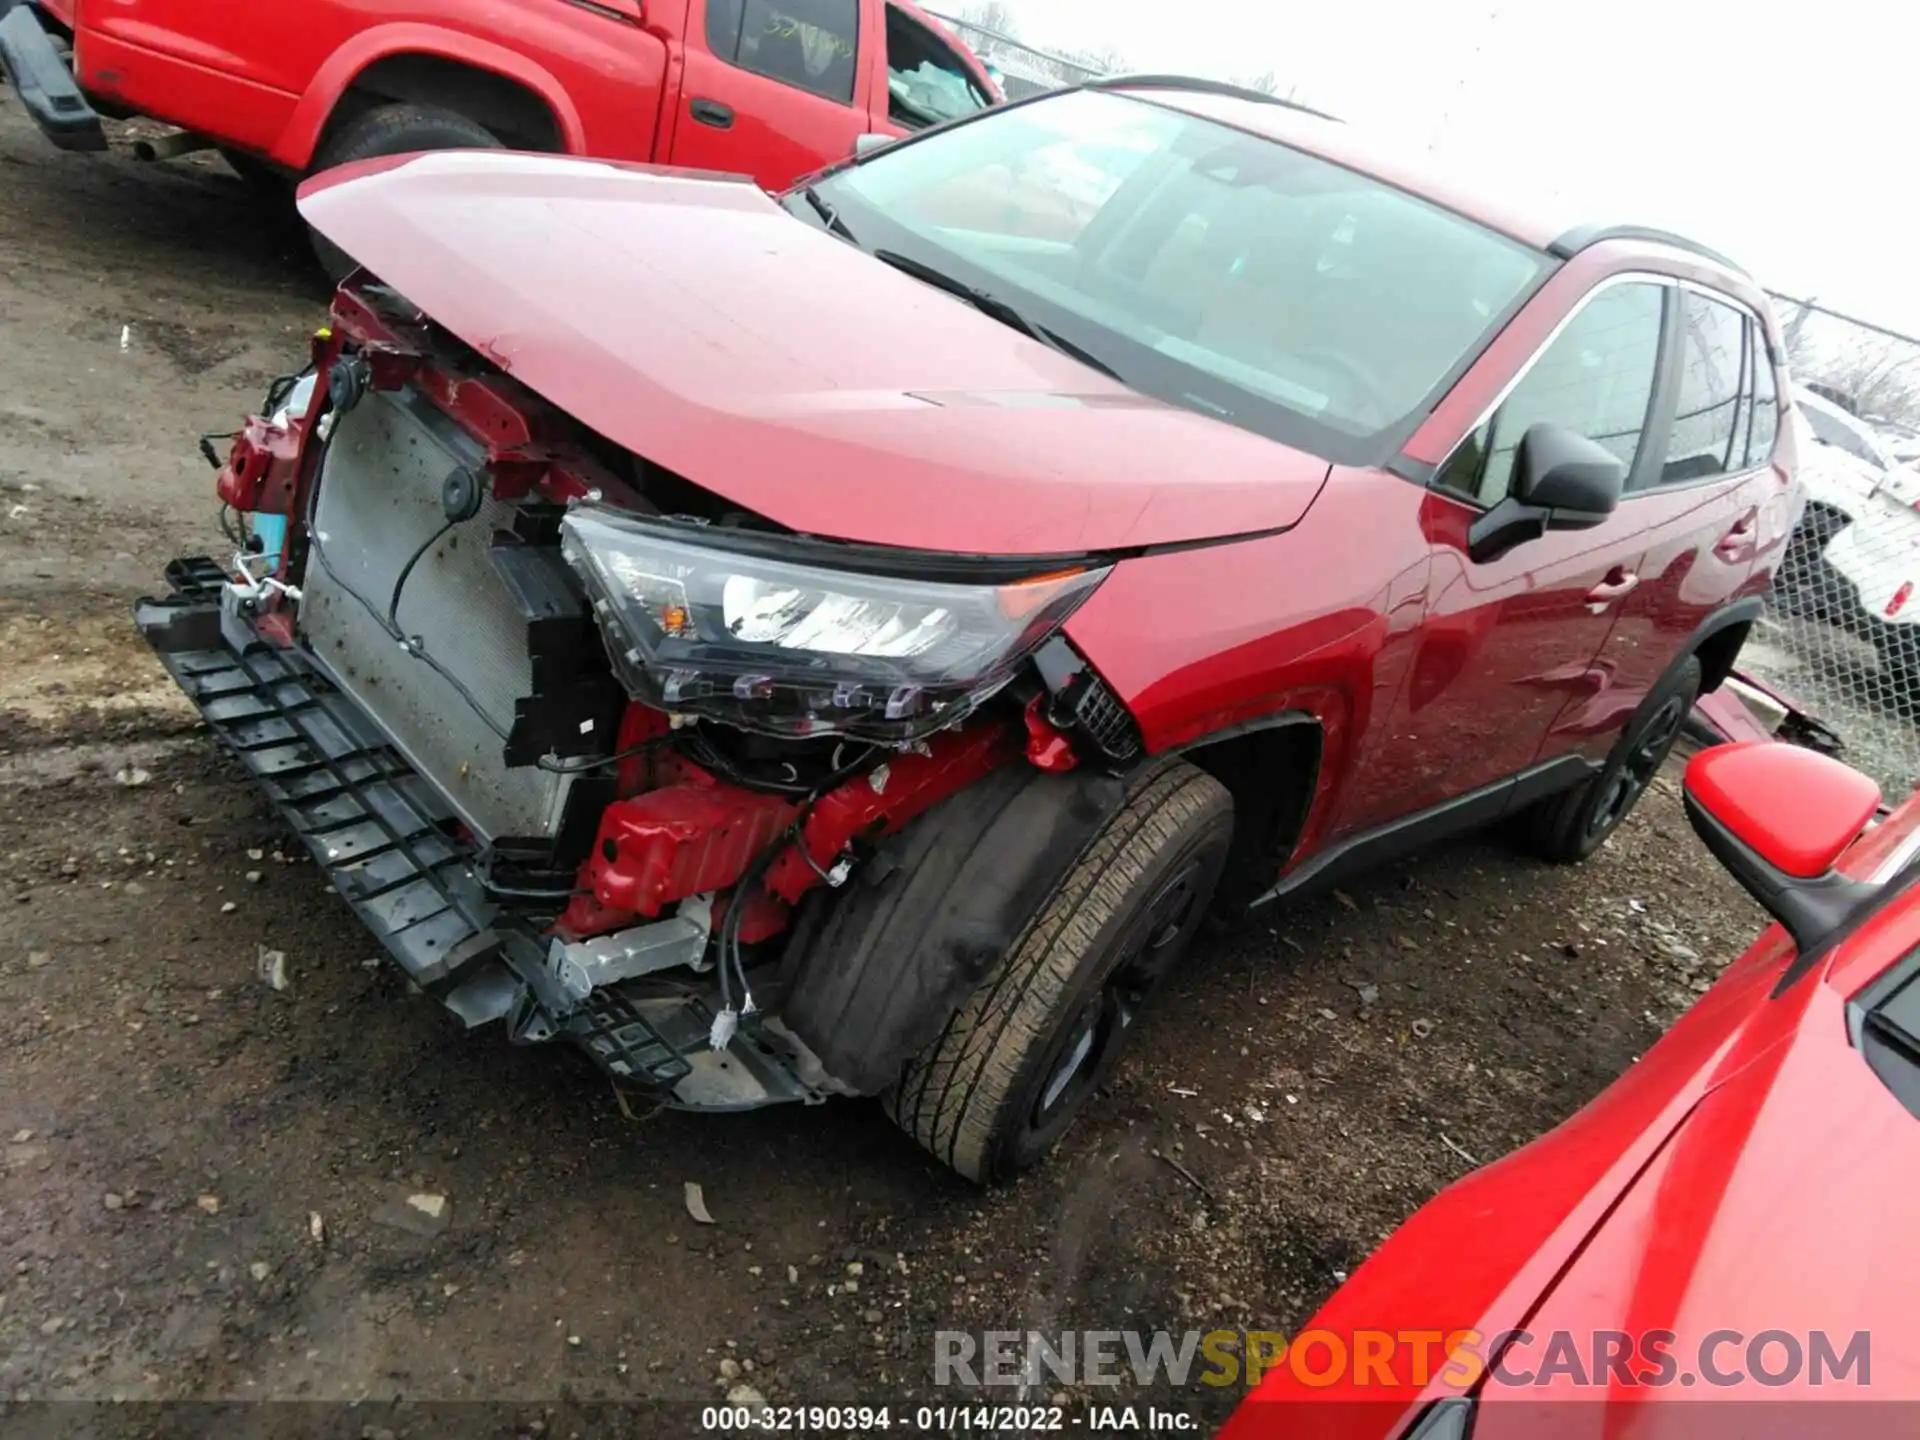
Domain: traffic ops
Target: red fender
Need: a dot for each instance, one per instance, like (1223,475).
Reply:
(297,141)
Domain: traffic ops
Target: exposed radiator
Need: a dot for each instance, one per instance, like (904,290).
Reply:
(378,502)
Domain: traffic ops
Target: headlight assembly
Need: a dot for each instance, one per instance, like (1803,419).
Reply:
(792,648)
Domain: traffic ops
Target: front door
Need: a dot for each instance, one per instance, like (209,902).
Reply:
(778,89)
(1508,643)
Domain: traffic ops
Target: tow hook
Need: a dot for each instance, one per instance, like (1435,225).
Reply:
(1047,748)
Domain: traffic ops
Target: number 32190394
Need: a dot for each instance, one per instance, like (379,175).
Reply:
(864,1419)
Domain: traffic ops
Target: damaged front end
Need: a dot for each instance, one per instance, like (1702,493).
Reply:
(572,737)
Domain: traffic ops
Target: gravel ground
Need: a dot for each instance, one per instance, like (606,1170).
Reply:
(201,1171)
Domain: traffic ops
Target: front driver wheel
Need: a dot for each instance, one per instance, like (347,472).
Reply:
(1021,1058)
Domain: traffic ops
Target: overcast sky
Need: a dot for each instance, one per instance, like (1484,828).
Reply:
(1789,139)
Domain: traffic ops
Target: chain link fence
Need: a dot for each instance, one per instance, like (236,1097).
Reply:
(1842,632)
(1023,70)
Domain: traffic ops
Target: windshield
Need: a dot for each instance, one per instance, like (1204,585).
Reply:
(1211,268)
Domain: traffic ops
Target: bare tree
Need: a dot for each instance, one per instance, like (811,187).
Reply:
(1266,82)
(1102,60)
(991,15)
(1802,309)
(1880,378)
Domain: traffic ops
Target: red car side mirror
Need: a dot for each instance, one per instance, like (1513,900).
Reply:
(1778,817)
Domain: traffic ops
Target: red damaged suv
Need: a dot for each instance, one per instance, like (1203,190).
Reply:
(843,642)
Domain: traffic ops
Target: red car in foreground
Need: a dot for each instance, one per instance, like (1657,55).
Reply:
(843,643)
(1723,1243)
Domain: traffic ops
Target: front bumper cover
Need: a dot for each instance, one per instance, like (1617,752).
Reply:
(389,844)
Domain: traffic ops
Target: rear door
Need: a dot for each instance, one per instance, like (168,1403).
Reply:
(1701,507)
(772,88)
(1507,643)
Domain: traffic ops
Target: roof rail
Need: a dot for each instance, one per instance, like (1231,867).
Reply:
(1580,237)
(1204,87)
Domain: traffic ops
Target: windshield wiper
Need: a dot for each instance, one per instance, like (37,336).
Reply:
(999,309)
(827,214)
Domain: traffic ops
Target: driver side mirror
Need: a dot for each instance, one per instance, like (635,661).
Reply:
(870,141)
(1778,817)
(1561,481)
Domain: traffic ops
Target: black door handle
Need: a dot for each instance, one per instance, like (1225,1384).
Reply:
(712,112)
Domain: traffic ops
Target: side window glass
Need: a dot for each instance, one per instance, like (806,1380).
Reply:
(723,28)
(1712,349)
(808,44)
(1595,378)
(1766,407)
(926,81)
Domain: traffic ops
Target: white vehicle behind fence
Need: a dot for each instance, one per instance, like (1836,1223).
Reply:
(1877,562)
(1841,472)
(1855,557)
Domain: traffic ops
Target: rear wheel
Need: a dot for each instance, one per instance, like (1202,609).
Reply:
(1571,826)
(1027,1050)
(392,130)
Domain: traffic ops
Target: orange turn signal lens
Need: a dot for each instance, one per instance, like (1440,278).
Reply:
(1019,600)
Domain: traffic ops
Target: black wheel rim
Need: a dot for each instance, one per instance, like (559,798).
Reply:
(1087,1046)
(1634,770)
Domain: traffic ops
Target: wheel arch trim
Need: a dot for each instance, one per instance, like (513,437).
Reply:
(301,135)
(1714,667)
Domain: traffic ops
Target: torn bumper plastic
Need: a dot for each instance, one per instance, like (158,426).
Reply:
(1746,709)
(388,842)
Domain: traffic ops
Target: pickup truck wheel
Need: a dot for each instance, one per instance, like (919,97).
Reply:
(1030,1046)
(1573,825)
(391,130)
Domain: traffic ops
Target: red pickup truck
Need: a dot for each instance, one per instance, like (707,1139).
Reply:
(769,88)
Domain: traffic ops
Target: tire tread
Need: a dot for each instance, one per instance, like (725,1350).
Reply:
(952,1095)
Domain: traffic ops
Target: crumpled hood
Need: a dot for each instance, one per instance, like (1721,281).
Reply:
(692,321)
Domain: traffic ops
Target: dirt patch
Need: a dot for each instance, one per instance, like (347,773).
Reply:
(177,1124)
(150,1063)
(78,656)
